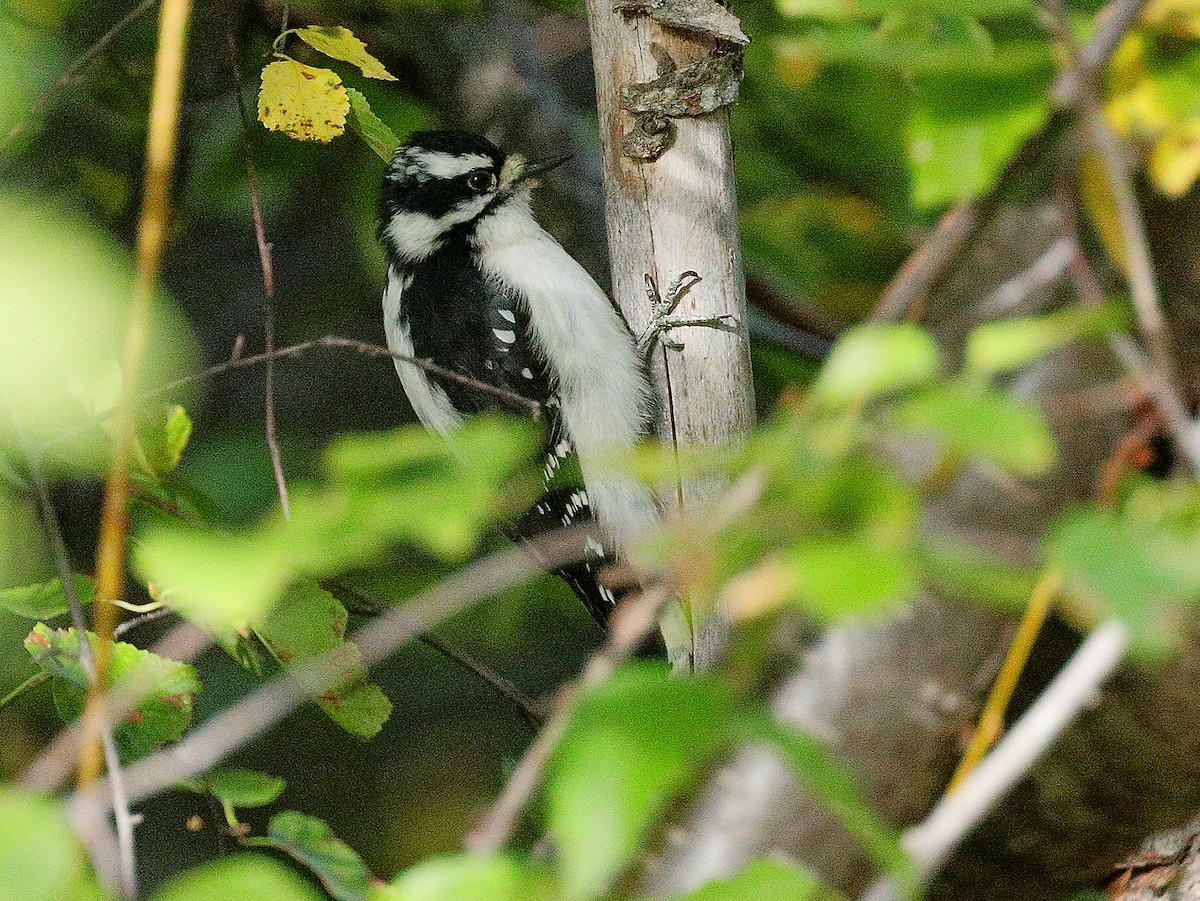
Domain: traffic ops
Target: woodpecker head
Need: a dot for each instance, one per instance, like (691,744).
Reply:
(440,182)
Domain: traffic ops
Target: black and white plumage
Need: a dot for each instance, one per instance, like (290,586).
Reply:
(477,286)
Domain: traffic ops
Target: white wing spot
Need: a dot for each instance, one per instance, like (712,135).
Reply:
(506,335)
(508,314)
(525,373)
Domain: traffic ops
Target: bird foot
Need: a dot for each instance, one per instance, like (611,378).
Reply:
(663,306)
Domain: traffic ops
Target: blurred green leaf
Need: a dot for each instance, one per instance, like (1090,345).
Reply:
(876,359)
(244,877)
(176,431)
(370,127)
(238,787)
(309,624)
(836,578)
(40,857)
(984,425)
(47,599)
(1009,344)
(832,783)
(764,879)
(632,742)
(403,486)
(168,687)
(311,842)
(1141,563)
(465,877)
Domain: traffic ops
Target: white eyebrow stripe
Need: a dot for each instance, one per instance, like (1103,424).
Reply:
(439,164)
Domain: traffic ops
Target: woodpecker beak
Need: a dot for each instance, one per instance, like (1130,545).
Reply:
(540,167)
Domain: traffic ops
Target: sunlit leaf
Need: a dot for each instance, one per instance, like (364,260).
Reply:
(1101,206)
(40,856)
(47,599)
(632,742)
(340,43)
(306,103)
(1174,161)
(983,425)
(245,877)
(176,431)
(465,877)
(311,842)
(877,359)
(1009,344)
(166,686)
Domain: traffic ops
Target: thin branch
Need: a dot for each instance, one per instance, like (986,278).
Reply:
(161,135)
(517,401)
(267,265)
(151,616)
(123,871)
(32,682)
(69,75)
(958,227)
(633,619)
(358,601)
(220,735)
(931,842)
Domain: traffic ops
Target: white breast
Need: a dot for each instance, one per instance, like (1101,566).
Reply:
(602,389)
(429,400)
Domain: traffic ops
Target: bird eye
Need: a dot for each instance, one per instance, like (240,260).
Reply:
(481,182)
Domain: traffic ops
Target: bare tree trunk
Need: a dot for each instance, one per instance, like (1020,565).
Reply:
(666,216)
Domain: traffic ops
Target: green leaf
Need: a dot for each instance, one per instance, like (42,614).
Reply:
(1141,564)
(168,687)
(985,425)
(370,127)
(764,879)
(175,434)
(310,842)
(876,359)
(408,485)
(310,624)
(466,877)
(829,780)
(632,743)
(47,599)
(244,877)
(834,578)
(337,42)
(237,787)
(1009,344)
(40,857)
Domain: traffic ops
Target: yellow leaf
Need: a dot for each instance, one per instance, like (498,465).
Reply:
(1175,160)
(308,104)
(1101,206)
(340,43)
(1178,17)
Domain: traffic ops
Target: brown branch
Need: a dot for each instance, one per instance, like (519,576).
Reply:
(152,227)
(634,618)
(267,265)
(69,75)
(955,231)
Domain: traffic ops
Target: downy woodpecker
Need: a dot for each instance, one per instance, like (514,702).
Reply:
(477,286)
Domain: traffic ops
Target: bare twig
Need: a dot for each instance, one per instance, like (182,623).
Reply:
(358,601)
(267,265)
(234,726)
(152,226)
(121,872)
(1073,689)
(634,618)
(151,616)
(516,401)
(69,75)
(1011,293)
(958,227)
